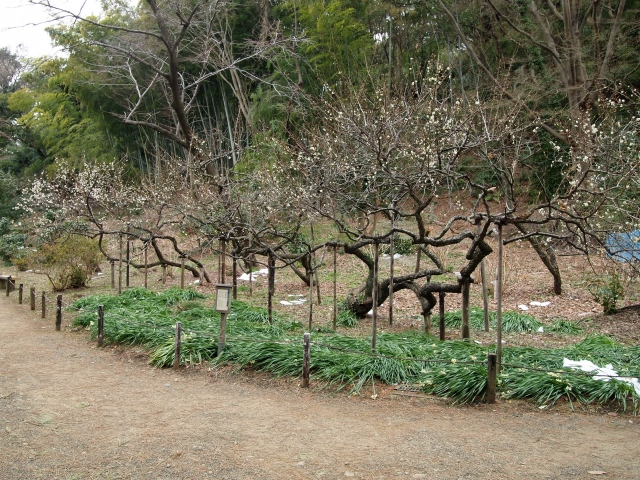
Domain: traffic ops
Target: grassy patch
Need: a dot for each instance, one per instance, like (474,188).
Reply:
(454,369)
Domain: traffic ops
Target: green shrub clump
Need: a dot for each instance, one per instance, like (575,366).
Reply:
(67,263)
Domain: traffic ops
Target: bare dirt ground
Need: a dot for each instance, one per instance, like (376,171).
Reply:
(71,411)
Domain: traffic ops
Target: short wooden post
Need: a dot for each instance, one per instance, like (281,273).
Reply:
(310,274)
(427,323)
(222,338)
(374,296)
(146,265)
(8,285)
(32,293)
(465,331)
(483,277)
(182,271)
(441,296)
(491,377)
(44,306)
(128,260)
(164,274)
(499,298)
(59,313)
(418,256)
(120,268)
(306,360)
(100,325)
(271,265)
(335,287)
(250,277)
(235,277)
(20,293)
(178,345)
(392,254)
(113,273)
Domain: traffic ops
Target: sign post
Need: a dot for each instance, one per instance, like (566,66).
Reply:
(223,305)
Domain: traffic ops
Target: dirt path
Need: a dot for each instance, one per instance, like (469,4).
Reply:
(71,411)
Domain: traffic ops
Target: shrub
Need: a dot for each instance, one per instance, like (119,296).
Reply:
(607,292)
(67,264)
(11,242)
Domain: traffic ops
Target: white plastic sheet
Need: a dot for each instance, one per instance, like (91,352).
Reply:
(605,373)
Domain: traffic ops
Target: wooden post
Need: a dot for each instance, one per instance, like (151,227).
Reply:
(441,296)
(222,338)
(164,274)
(113,273)
(44,306)
(310,297)
(491,377)
(176,355)
(499,297)
(235,278)
(100,325)
(32,292)
(59,313)
(20,293)
(8,285)
(182,271)
(335,287)
(271,265)
(374,296)
(465,331)
(120,268)
(250,277)
(312,262)
(391,265)
(306,360)
(418,255)
(483,278)
(128,260)
(146,266)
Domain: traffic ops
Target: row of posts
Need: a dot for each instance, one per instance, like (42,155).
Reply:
(32,301)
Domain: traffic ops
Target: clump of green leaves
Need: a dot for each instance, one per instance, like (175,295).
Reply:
(511,321)
(67,263)
(403,246)
(607,292)
(11,242)
(347,318)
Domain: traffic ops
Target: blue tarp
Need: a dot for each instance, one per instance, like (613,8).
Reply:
(624,247)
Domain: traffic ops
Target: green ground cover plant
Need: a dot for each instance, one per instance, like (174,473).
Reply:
(451,368)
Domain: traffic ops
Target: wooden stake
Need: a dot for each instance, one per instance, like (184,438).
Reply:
(235,278)
(222,338)
(100,325)
(427,323)
(128,262)
(59,313)
(182,271)
(465,331)
(374,296)
(418,255)
(491,377)
(178,345)
(20,292)
(485,293)
(146,266)
(335,287)
(271,265)
(32,292)
(164,274)
(310,297)
(44,306)
(8,285)
(113,273)
(306,360)
(499,298)
(441,296)
(120,268)
(250,277)
(391,265)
